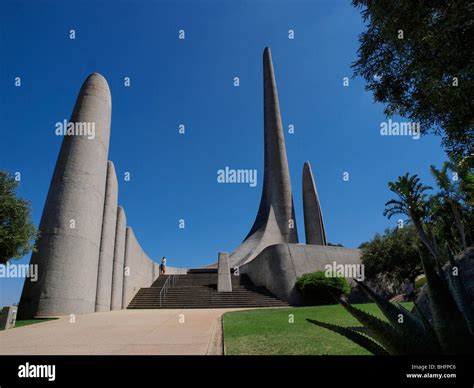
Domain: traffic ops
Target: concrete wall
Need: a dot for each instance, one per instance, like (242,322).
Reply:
(169,270)
(119,258)
(107,244)
(68,248)
(156,270)
(176,271)
(139,268)
(278,266)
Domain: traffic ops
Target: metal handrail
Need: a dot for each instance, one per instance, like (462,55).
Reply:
(171,279)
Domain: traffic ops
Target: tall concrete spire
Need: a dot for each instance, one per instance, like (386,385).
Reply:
(67,253)
(275,221)
(313,216)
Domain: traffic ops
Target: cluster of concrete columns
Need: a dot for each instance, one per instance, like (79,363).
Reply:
(88,259)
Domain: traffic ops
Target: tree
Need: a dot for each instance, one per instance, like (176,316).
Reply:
(17,232)
(465,170)
(416,57)
(412,202)
(450,196)
(396,254)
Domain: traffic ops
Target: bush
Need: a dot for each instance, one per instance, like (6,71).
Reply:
(317,289)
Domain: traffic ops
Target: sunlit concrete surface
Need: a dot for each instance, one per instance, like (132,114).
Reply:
(146,332)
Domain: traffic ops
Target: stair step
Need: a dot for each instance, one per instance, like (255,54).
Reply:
(196,271)
(198,289)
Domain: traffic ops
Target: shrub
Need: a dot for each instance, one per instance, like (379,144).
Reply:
(316,288)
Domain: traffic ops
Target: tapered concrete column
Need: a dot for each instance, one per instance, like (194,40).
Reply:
(119,257)
(313,216)
(68,248)
(106,255)
(277,186)
(129,255)
(224,282)
(275,222)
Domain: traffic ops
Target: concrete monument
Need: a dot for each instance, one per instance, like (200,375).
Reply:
(270,254)
(90,260)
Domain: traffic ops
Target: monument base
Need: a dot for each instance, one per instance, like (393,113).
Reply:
(278,266)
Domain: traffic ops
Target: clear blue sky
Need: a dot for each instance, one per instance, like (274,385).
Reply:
(191,82)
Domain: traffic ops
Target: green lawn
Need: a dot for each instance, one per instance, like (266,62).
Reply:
(269,331)
(25,322)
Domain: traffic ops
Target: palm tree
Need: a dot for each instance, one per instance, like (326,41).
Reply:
(450,194)
(413,203)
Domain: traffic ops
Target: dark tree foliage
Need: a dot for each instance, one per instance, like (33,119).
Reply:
(451,211)
(17,232)
(417,58)
(396,253)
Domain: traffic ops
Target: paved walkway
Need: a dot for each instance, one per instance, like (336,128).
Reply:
(169,332)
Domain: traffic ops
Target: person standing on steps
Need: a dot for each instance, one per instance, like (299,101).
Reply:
(163,266)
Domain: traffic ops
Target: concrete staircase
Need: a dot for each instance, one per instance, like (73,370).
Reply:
(198,289)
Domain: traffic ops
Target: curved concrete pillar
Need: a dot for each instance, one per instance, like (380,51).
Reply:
(126,266)
(106,255)
(68,249)
(313,216)
(275,222)
(119,257)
